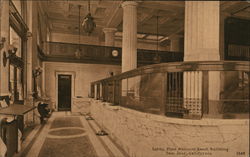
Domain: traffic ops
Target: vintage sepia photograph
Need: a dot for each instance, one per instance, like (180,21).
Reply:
(124,78)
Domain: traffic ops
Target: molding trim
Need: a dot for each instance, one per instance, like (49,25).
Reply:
(73,76)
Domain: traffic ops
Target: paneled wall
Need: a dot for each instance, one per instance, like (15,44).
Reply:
(83,74)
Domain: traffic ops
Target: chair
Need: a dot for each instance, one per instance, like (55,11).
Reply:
(43,111)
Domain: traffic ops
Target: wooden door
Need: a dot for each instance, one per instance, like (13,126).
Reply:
(64,92)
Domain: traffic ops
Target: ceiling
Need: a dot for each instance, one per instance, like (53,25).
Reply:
(63,16)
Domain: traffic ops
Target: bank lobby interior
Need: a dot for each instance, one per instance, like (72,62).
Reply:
(124,78)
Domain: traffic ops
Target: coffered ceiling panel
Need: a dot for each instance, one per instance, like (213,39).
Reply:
(63,15)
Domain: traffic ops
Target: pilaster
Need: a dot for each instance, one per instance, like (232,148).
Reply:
(4,33)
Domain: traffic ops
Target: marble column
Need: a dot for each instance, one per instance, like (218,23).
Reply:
(4,33)
(129,43)
(129,36)
(202,23)
(202,43)
(109,36)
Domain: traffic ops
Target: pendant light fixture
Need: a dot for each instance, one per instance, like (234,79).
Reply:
(88,22)
(78,50)
(157,58)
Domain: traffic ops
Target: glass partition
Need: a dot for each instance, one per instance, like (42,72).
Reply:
(98,91)
(235,94)
(150,92)
(117,92)
(131,93)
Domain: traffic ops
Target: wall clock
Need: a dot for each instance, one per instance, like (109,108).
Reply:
(115,53)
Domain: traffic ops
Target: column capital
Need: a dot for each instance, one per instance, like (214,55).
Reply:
(109,36)
(109,30)
(129,3)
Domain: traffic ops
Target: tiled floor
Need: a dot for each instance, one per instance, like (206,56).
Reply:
(68,135)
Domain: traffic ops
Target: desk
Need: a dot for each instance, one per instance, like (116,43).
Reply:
(16,110)
(10,136)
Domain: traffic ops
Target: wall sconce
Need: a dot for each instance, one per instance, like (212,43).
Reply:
(36,72)
(11,54)
(28,34)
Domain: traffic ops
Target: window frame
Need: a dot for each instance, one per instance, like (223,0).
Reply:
(18,25)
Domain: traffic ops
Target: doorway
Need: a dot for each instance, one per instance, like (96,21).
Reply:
(64,92)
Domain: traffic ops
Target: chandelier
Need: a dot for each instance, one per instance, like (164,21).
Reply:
(88,22)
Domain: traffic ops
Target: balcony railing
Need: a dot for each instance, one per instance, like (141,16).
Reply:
(237,52)
(181,89)
(65,52)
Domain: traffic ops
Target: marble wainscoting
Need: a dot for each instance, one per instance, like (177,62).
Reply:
(148,135)
(81,105)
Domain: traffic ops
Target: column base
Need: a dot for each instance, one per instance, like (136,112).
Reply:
(29,100)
